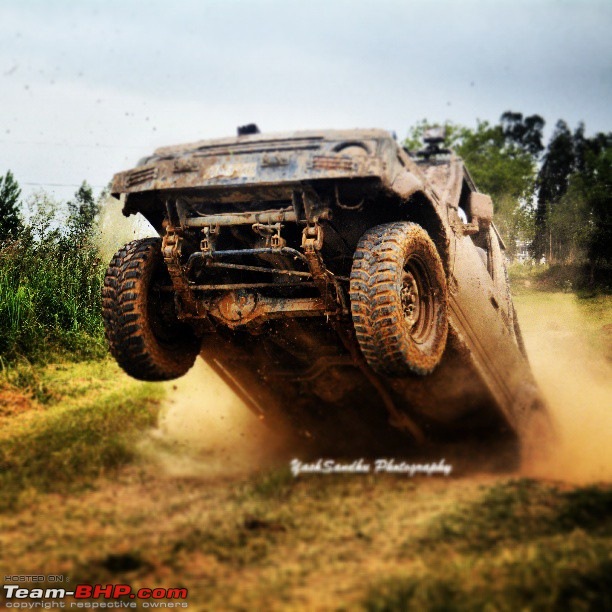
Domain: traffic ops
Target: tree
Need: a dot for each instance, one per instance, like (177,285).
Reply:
(570,225)
(574,206)
(83,213)
(10,218)
(526,133)
(559,162)
(499,165)
(591,186)
(553,179)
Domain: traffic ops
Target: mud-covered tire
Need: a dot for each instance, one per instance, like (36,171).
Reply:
(398,300)
(142,330)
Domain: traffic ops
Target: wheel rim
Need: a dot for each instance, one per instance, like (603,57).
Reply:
(417,300)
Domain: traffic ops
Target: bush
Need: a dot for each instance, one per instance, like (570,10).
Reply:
(50,283)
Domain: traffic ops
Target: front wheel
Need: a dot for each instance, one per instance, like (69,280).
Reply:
(398,300)
(144,334)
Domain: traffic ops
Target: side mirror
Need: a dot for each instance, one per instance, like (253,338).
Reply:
(480,209)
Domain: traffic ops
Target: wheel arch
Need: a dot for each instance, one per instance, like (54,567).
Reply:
(417,208)
(421,210)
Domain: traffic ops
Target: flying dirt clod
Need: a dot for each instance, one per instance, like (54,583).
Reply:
(338,283)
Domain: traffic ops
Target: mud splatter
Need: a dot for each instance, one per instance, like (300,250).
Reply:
(569,362)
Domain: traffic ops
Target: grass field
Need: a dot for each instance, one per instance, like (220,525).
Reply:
(63,426)
(108,480)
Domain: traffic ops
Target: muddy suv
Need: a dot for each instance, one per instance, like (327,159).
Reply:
(337,283)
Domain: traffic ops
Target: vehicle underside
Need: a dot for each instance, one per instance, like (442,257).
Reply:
(316,289)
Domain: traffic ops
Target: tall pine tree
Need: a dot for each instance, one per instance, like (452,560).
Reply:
(10,219)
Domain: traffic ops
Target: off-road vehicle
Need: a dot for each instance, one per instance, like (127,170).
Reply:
(334,281)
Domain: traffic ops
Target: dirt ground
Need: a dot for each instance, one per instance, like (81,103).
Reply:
(211,505)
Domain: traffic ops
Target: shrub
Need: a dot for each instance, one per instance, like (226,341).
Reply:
(50,282)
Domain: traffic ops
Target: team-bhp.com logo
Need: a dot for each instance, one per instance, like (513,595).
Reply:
(17,596)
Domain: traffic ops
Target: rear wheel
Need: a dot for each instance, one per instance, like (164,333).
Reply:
(398,300)
(144,334)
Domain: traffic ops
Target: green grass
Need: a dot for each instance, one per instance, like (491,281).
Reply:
(275,484)
(83,428)
(582,279)
(522,511)
(248,540)
(566,574)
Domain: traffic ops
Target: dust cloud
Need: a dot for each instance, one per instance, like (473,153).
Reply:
(206,431)
(567,350)
(116,230)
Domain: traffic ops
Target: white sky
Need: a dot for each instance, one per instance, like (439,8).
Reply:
(87,87)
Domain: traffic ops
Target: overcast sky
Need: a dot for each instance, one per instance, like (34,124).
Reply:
(87,87)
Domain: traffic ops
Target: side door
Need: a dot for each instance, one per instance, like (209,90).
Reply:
(479,313)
